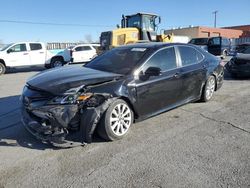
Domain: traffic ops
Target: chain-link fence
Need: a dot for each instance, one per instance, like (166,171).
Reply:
(60,45)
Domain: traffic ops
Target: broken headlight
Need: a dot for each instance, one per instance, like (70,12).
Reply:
(70,98)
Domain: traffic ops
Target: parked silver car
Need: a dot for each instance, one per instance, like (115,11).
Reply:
(239,65)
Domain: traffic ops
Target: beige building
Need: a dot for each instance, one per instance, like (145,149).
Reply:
(200,31)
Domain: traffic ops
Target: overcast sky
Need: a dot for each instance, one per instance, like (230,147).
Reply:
(77,20)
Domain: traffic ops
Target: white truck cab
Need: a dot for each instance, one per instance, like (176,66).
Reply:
(28,54)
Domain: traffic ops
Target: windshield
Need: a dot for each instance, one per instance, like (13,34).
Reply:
(148,23)
(6,46)
(134,21)
(199,41)
(244,49)
(118,60)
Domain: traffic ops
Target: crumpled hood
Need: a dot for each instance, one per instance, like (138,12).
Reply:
(59,80)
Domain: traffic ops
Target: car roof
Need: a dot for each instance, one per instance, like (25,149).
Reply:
(141,13)
(245,44)
(153,45)
(87,44)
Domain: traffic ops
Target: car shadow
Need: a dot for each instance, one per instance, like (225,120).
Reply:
(25,69)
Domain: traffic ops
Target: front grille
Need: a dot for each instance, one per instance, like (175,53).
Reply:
(32,95)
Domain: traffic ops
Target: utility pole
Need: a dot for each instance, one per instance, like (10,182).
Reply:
(215,17)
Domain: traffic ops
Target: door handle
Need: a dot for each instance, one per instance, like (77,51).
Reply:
(25,53)
(41,52)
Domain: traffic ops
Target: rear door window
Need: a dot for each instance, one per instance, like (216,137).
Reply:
(86,48)
(77,49)
(83,48)
(35,46)
(189,55)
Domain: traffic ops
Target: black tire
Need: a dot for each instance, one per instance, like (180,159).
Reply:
(47,66)
(105,129)
(208,89)
(2,68)
(57,62)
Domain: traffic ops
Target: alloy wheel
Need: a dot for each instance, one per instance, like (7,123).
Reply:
(210,88)
(2,69)
(120,119)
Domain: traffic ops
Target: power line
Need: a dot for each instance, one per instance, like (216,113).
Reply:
(52,24)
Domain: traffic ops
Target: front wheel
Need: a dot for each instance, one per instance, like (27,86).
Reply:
(2,68)
(208,89)
(116,121)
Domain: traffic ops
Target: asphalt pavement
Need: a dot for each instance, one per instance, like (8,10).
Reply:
(195,145)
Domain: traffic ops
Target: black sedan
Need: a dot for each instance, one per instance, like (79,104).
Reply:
(123,85)
(239,65)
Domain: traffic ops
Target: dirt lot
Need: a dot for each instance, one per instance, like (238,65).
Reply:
(196,145)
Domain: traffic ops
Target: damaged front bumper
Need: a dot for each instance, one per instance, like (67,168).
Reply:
(64,125)
(48,128)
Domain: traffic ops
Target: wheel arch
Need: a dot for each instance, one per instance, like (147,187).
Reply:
(3,62)
(57,57)
(130,105)
(204,84)
(214,75)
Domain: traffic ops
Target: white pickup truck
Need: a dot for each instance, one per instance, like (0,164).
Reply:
(30,54)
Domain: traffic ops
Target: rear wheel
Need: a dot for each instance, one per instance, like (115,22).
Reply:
(208,89)
(116,121)
(2,68)
(57,62)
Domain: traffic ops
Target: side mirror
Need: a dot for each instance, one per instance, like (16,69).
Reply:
(153,71)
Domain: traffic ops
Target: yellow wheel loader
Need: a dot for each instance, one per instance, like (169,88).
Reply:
(140,27)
